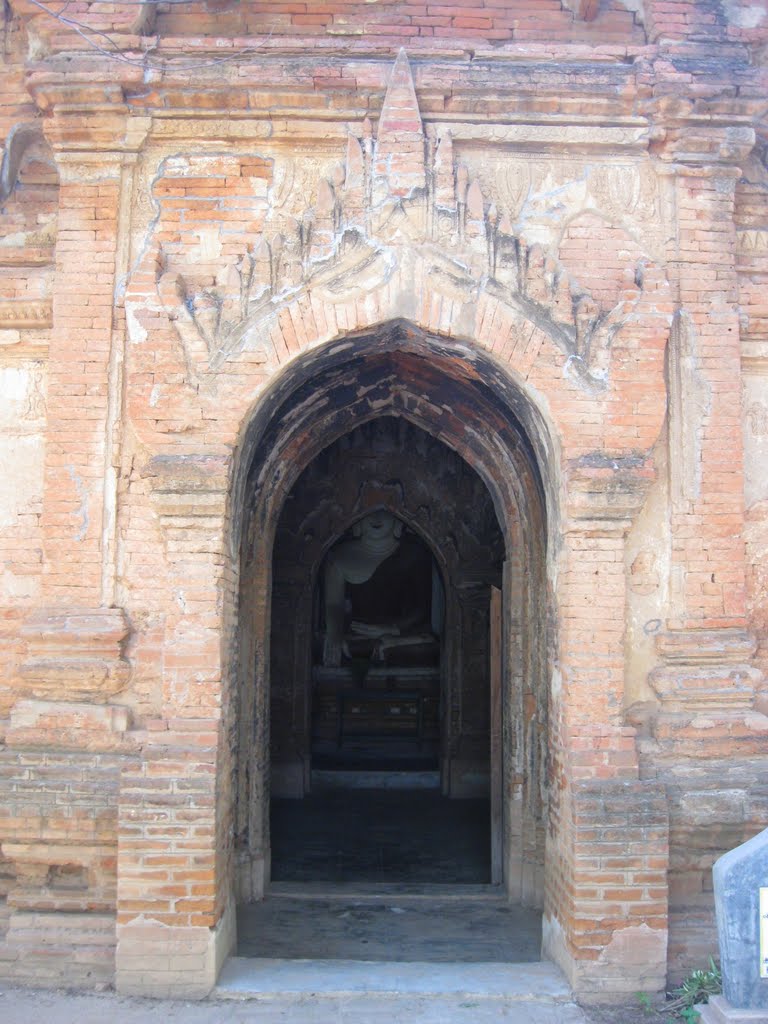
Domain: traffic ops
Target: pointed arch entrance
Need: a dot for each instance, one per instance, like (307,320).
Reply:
(439,392)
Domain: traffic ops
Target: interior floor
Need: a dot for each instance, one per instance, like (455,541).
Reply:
(379,756)
(389,926)
(380,835)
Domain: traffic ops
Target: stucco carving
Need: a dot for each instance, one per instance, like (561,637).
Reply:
(757,418)
(22,314)
(20,138)
(402,196)
(536,194)
(751,241)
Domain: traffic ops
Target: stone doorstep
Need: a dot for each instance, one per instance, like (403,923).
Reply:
(252,978)
(719,1011)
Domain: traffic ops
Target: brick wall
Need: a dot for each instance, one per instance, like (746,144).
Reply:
(602,259)
(511,246)
(406,22)
(58,816)
(387,24)
(751,214)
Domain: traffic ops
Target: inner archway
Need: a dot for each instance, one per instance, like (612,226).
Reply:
(390,540)
(402,384)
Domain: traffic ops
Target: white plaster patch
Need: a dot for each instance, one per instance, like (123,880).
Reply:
(556,683)
(755,405)
(636,7)
(554,944)
(22,398)
(18,588)
(136,332)
(210,245)
(745,15)
(73,169)
(22,415)
(638,952)
(14,382)
(21,470)
(18,238)
(544,211)
(175,166)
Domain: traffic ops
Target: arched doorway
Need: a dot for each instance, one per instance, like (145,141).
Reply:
(459,401)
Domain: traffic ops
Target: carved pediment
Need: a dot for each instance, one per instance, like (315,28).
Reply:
(399,198)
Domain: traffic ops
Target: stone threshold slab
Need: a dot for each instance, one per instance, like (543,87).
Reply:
(251,978)
(386,891)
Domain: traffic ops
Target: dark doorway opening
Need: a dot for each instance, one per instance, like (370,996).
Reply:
(386,554)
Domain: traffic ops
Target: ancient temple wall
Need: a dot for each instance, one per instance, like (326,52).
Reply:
(575,219)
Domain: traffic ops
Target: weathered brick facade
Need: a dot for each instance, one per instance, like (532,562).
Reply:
(231,234)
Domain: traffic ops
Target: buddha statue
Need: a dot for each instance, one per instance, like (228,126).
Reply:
(377,591)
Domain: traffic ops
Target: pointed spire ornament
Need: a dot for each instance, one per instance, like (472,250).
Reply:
(399,166)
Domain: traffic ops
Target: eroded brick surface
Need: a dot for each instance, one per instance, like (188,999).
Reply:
(541,237)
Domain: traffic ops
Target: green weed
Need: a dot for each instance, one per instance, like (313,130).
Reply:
(697,988)
(645,1002)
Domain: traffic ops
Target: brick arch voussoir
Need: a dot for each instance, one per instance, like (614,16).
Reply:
(482,321)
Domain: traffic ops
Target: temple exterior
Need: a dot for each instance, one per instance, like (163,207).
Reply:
(499,267)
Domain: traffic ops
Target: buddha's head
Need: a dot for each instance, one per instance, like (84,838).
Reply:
(378,526)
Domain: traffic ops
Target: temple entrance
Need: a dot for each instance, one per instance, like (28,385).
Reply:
(392,721)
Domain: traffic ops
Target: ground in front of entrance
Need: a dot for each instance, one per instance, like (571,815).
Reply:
(27,1006)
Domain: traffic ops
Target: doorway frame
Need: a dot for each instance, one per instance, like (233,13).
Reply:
(510,475)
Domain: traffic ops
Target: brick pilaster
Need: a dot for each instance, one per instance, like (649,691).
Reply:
(175,825)
(706,651)
(85,348)
(706,457)
(78,389)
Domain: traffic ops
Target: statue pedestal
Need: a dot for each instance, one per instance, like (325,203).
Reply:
(719,1011)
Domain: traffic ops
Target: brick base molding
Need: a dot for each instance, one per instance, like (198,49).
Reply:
(169,962)
(617,891)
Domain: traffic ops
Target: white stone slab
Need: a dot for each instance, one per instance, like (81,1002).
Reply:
(248,978)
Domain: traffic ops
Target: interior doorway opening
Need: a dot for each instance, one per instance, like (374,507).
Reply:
(376,685)
(436,438)
(380,713)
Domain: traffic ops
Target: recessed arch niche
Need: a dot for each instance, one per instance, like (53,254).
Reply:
(447,394)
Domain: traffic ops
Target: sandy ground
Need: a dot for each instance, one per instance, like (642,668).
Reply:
(30,1006)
